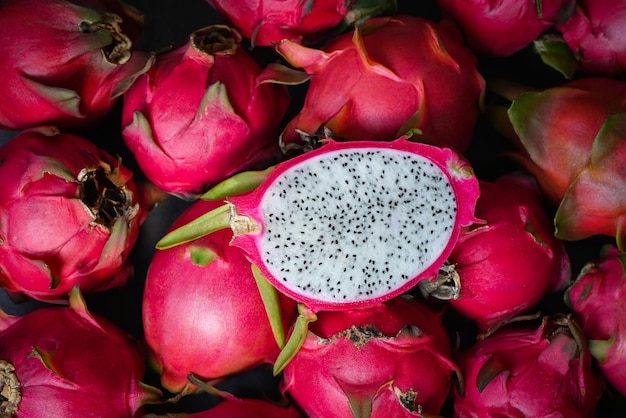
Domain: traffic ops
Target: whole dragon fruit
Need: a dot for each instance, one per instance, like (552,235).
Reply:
(503,28)
(66,63)
(596,299)
(571,137)
(66,362)
(202,113)
(265,22)
(349,224)
(69,215)
(202,310)
(390,76)
(389,360)
(543,371)
(595,35)
(506,265)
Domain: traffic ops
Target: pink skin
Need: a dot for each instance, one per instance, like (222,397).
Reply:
(392,75)
(50,241)
(201,115)
(529,372)
(572,140)
(501,28)
(595,298)
(506,265)
(596,36)
(460,175)
(265,22)
(331,375)
(69,360)
(207,320)
(76,86)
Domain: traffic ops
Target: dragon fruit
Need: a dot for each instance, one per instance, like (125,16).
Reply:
(265,22)
(505,27)
(503,267)
(543,371)
(595,35)
(202,311)
(571,138)
(66,63)
(202,114)
(64,361)
(596,299)
(389,76)
(389,360)
(388,216)
(69,216)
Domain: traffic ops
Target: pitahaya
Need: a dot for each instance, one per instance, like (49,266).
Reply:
(505,266)
(571,138)
(503,28)
(202,311)
(265,22)
(66,362)
(596,297)
(202,113)
(66,63)
(389,76)
(390,360)
(595,34)
(69,215)
(543,371)
(349,224)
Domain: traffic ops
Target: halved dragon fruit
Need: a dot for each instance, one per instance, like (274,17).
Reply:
(349,224)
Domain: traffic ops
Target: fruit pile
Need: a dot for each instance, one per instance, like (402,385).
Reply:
(362,208)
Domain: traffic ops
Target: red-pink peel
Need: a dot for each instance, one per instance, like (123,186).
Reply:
(596,299)
(69,215)
(64,360)
(388,360)
(202,310)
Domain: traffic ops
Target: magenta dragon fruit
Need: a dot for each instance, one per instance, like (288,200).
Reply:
(266,22)
(503,28)
(349,224)
(504,266)
(64,361)
(66,63)
(543,371)
(389,360)
(595,34)
(571,138)
(596,299)
(389,76)
(202,113)
(69,215)
(202,310)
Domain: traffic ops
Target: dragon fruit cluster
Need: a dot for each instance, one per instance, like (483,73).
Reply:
(302,209)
